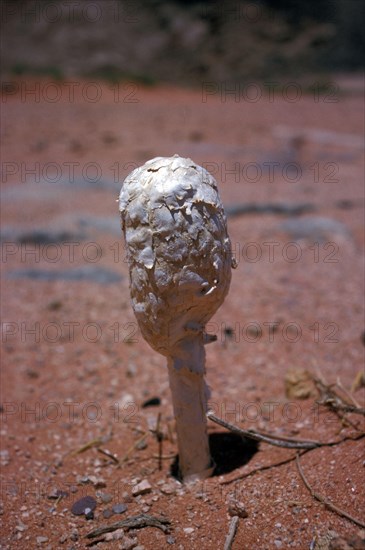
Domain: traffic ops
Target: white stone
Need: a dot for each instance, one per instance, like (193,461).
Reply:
(142,488)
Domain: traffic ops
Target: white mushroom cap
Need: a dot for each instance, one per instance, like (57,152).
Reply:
(179,252)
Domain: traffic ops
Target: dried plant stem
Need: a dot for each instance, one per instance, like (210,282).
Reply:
(133,522)
(231,533)
(335,402)
(89,445)
(109,454)
(347,393)
(266,438)
(324,501)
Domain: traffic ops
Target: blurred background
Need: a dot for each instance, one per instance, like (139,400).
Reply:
(184,42)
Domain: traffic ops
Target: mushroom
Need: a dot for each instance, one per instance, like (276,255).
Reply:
(179,257)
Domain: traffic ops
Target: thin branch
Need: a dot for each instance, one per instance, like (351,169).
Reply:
(323,500)
(108,454)
(133,522)
(343,407)
(347,393)
(333,400)
(266,438)
(231,533)
(89,445)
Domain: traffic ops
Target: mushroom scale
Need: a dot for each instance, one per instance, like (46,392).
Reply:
(178,249)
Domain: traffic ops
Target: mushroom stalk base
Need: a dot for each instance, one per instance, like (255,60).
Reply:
(189,396)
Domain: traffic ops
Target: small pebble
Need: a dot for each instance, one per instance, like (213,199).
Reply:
(128,543)
(188,530)
(89,514)
(236,508)
(142,445)
(98,482)
(107,513)
(131,370)
(106,498)
(74,535)
(115,535)
(119,508)
(80,506)
(168,489)
(127,497)
(42,540)
(142,488)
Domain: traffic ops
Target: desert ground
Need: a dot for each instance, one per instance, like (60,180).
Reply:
(85,405)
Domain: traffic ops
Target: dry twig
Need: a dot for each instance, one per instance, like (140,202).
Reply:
(347,393)
(134,522)
(89,445)
(109,454)
(266,438)
(330,398)
(231,533)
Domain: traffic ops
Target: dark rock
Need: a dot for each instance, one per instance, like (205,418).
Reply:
(89,514)
(107,513)
(119,508)
(83,506)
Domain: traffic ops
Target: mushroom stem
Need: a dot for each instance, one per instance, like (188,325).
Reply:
(189,397)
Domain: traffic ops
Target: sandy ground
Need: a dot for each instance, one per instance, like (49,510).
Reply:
(75,369)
